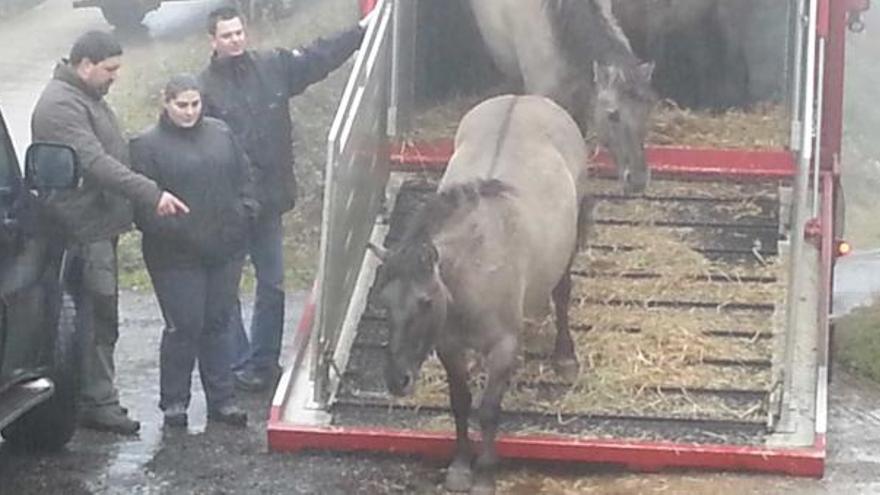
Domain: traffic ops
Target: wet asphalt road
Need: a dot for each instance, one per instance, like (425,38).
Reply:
(215,459)
(207,458)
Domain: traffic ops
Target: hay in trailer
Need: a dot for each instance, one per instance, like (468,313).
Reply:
(644,373)
(724,190)
(622,249)
(751,326)
(650,210)
(633,355)
(660,330)
(648,291)
(625,260)
(644,264)
(764,126)
(440,120)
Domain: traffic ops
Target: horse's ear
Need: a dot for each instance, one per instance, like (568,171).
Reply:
(646,71)
(379,251)
(433,253)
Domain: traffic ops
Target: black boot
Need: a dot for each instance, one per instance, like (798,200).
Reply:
(228,414)
(175,416)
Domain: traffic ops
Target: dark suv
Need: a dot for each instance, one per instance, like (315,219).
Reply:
(39,346)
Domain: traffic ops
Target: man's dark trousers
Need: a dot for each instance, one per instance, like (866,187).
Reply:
(259,351)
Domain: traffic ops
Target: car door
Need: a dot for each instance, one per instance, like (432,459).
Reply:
(28,294)
(10,186)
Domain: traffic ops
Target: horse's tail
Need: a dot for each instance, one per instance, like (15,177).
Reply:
(585,221)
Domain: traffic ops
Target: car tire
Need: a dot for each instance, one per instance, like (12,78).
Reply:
(50,425)
(123,15)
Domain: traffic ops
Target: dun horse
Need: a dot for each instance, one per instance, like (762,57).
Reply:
(484,256)
(574,52)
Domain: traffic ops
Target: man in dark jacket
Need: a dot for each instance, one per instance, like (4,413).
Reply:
(250,90)
(72,111)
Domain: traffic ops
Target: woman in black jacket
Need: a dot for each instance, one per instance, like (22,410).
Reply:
(195,260)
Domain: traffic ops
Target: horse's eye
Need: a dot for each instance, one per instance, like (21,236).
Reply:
(614,116)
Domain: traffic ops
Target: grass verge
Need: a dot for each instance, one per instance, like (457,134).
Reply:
(857,341)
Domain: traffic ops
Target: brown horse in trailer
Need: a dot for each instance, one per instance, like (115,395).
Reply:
(484,256)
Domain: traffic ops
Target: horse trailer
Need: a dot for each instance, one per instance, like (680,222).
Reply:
(701,310)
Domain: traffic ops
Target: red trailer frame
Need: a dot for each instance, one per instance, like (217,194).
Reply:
(833,18)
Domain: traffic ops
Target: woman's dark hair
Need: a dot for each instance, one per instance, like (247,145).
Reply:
(178,84)
(96,46)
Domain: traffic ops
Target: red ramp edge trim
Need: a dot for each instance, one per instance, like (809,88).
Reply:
(366,6)
(633,455)
(300,346)
(663,160)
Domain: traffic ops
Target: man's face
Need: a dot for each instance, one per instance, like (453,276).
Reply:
(229,38)
(185,108)
(99,76)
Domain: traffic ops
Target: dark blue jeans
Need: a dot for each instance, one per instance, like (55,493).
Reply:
(197,304)
(259,349)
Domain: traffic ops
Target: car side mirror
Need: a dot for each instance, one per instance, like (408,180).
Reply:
(51,166)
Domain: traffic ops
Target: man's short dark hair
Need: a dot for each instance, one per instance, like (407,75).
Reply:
(221,14)
(95,46)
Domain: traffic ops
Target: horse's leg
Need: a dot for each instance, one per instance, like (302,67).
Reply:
(500,363)
(564,358)
(458,475)
(584,221)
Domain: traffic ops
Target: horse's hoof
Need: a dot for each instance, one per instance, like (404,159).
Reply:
(458,480)
(567,369)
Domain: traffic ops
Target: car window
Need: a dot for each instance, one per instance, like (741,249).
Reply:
(9,173)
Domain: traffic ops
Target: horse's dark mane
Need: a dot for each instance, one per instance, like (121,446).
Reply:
(409,254)
(433,215)
(585,35)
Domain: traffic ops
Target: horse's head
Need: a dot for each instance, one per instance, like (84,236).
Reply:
(623,104)
(412,292)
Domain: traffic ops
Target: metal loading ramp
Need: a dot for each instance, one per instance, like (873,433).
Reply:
(676,353)
(679,318)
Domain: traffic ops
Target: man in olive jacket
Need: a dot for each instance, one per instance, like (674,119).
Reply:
(72,111)
(250,91)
